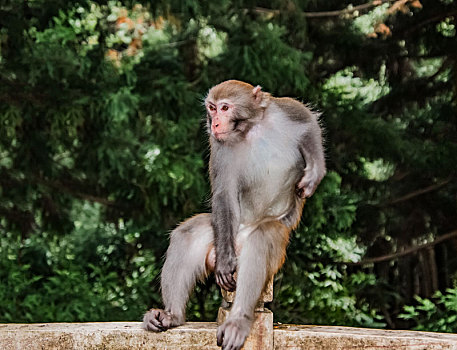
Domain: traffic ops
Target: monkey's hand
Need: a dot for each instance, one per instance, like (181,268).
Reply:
(224,272)
(308,183)
(158,320)
(233,332)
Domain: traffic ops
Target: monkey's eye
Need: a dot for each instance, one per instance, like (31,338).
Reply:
(212,108)
(225,108)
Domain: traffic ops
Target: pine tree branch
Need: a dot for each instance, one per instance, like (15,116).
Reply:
(407,251)
(419,90)
(335,13)
(78,194)
(417,192)
(428,21)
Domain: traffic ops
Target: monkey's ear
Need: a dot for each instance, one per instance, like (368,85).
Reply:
(260,97)
(257,92)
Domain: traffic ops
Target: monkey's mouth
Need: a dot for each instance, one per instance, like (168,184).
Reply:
(217,135)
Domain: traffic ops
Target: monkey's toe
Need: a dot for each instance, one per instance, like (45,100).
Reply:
(232,334)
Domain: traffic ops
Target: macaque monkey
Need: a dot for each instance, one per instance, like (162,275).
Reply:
(266,158)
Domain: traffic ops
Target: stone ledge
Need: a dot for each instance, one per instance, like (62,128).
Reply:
(202,335)
(294,337)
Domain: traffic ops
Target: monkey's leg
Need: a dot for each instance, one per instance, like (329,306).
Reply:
(190,256)
(261,256)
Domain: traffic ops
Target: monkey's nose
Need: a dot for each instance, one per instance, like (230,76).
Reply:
(215,123)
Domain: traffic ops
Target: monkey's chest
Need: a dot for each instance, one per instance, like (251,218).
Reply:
(271,161)
(267,186)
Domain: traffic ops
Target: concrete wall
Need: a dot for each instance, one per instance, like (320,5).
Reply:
(202,335)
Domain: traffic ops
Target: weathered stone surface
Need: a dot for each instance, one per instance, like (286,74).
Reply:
(193,336)
(294,337)
(261,336)
(105,336)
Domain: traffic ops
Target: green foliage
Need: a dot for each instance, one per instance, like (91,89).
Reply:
(88,275)
(438,314)
(246,49)
(103,151)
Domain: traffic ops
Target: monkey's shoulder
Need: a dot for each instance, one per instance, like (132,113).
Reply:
(294,109)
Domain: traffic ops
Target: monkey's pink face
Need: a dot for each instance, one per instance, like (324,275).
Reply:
(220,117)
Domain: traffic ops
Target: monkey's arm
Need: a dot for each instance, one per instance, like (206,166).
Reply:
(225,221)
(312,150)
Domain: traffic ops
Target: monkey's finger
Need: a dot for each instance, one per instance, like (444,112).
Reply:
(228,288)
(150,320)
(231,280)
(166,322)
(226,277)
(152,327)
(218,280)
(310,189)
(306,189)
(156,323)
(224,286)
(228,282)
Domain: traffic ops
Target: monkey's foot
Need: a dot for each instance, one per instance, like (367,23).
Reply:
(158,320)
(233,332)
